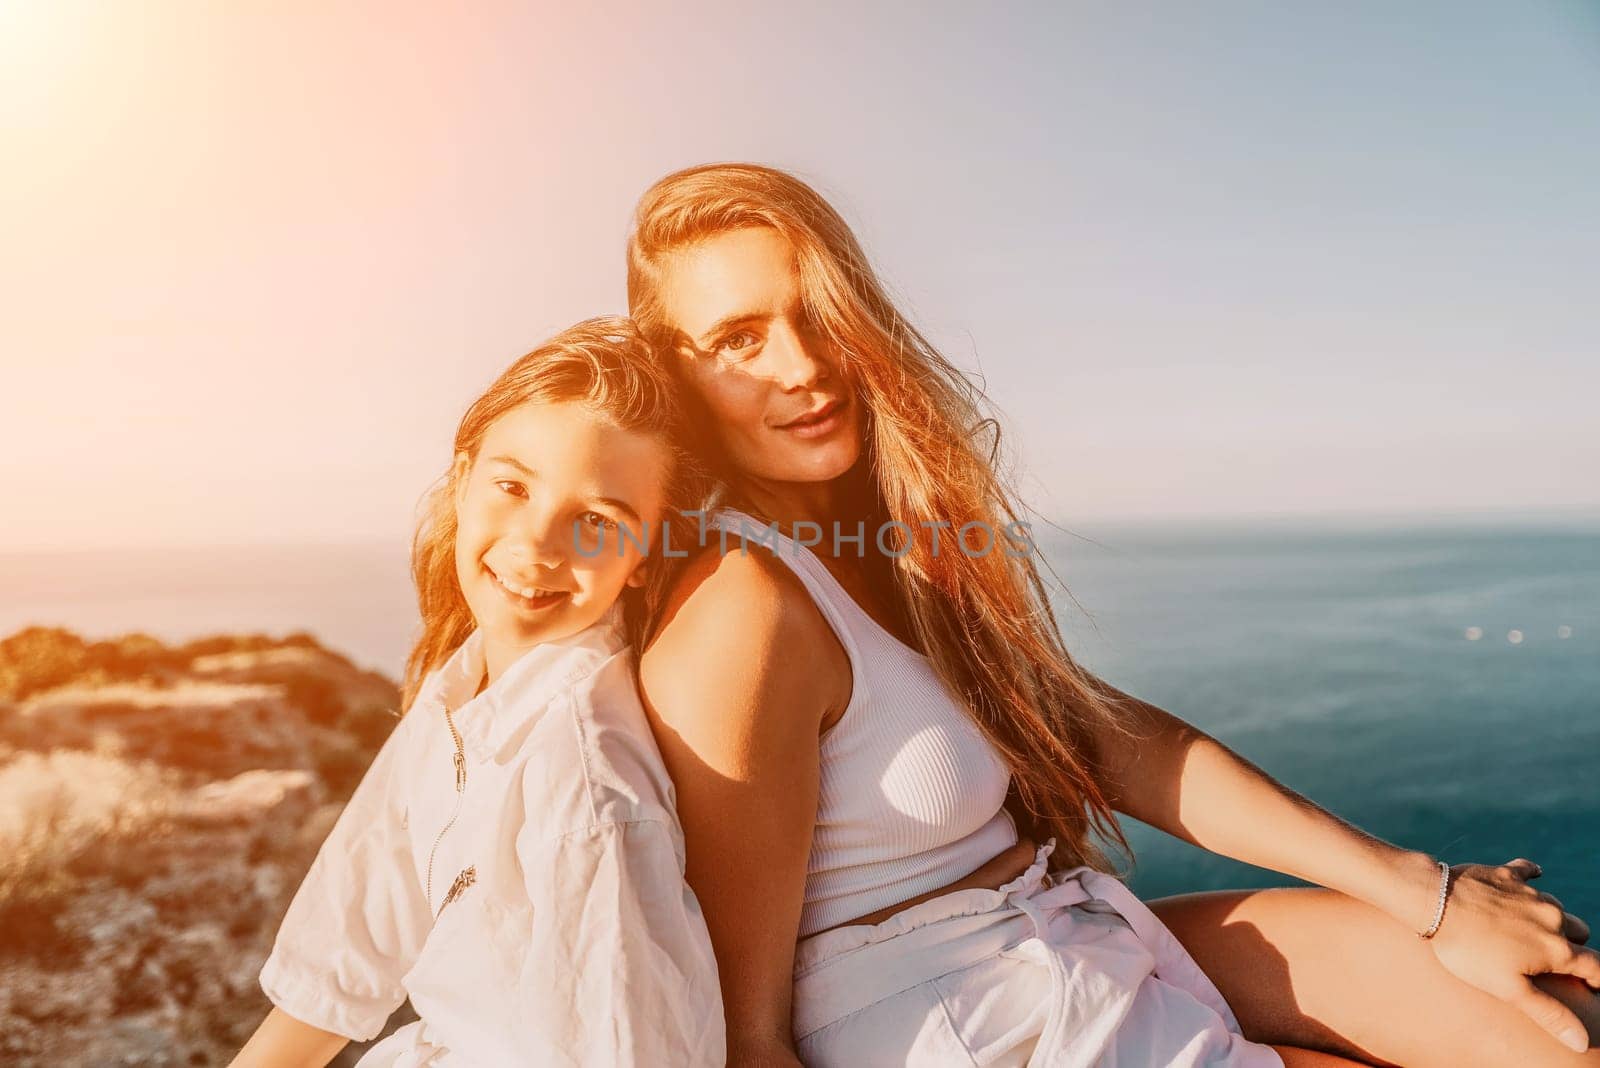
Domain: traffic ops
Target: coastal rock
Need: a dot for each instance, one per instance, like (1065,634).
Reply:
(158,807)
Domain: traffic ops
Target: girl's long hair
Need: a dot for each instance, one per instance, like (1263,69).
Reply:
(604,363)
(985,621)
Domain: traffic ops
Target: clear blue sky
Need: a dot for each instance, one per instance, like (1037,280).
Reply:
(1212,260)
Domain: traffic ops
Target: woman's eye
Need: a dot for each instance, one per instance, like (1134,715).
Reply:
(744,339)
(513,488)
(598,521)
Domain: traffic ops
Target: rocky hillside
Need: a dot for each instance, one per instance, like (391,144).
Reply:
(158,806)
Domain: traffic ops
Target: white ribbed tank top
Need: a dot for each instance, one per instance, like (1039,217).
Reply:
(912,794)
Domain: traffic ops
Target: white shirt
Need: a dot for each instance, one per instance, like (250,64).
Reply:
(572,937)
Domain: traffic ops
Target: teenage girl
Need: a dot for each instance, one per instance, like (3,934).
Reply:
(511,861)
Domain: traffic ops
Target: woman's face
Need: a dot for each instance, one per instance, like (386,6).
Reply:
(538,551)
(769,379)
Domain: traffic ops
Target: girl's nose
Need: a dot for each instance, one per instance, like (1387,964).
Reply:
(539,544)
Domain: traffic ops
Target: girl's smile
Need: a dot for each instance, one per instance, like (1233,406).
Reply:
(529,597)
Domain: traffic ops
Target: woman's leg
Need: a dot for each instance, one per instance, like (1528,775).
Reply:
(1313,968)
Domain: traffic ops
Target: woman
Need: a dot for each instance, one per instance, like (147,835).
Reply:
(856,730)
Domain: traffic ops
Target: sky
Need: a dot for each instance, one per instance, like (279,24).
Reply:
(1222,260)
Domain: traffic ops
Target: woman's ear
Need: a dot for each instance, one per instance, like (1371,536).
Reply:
(640,573)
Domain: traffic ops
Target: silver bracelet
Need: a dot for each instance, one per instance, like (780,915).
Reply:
(1444,890)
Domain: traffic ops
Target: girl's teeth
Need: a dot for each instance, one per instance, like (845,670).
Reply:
(528,592)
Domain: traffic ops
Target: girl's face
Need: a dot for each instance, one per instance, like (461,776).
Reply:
(771,381)
(538,552)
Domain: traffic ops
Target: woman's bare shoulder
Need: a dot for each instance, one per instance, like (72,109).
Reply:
(739,629)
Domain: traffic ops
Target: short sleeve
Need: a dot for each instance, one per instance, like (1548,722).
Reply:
(359,918)
(620,970)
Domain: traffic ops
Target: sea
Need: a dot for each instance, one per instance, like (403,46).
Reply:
(1435,683)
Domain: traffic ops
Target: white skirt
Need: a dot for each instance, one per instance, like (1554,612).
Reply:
(1064,971)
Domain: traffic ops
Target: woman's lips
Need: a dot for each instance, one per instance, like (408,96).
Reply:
(824,421)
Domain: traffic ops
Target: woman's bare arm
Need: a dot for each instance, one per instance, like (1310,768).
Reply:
(1176,777)
(737,684)
(285,1042)
(1497,930)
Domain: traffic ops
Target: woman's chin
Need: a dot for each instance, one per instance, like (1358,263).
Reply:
(821,464)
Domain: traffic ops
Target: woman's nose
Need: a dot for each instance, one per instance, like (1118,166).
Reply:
(797,360)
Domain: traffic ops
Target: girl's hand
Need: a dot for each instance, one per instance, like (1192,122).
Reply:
(1498,932)
(282,1041)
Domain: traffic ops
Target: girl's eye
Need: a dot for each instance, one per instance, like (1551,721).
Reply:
(513,488)
(598,521)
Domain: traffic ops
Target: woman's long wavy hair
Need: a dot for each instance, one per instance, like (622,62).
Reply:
(604,363)
(985,621)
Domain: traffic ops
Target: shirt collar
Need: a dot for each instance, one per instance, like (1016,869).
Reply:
(486,721)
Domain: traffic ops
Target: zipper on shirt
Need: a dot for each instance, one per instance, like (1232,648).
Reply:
(460,760)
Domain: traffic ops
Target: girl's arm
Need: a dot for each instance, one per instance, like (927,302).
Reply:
(1497,930)
(284,1042)
(737,686)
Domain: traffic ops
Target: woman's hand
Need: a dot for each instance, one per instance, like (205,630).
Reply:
(1498,932)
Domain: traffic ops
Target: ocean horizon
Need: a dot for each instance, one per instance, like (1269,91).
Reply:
(1436,683)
